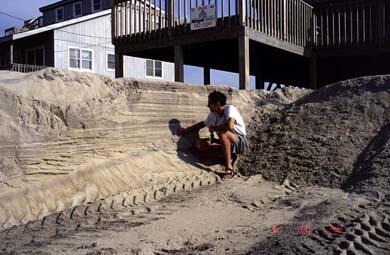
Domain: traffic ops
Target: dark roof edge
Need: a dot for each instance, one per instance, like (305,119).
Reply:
(56,4)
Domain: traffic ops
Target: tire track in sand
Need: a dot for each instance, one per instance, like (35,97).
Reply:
(122,211)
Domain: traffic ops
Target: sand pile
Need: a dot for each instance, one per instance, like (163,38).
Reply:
(319,138)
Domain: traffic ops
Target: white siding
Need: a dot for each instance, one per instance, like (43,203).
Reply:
(135,67)
(95,35)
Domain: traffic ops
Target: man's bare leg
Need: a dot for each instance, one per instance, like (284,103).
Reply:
(204,146)
(227,139)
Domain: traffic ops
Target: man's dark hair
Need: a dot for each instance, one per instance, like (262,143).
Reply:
(216,96)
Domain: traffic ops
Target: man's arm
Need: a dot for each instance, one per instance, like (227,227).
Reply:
(228,126)
(198,126)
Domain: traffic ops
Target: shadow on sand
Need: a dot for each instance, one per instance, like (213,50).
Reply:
(371,169)
(186,151)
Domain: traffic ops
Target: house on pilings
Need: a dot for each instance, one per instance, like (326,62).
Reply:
(311,42)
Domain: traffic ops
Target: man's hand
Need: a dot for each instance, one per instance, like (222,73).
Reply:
(181,131)
(193,128)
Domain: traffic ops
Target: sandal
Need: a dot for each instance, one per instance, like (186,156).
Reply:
(229,174)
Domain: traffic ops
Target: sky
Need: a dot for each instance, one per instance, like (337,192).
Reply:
(24,9)
(27,9)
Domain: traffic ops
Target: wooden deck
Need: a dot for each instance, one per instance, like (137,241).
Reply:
(294,32)
(346,27)
(283,24)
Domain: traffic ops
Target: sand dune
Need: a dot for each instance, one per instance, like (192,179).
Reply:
(92,165)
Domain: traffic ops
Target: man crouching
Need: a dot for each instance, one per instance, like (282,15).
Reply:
(227,122)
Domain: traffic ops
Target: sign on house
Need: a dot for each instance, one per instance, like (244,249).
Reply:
(203,17)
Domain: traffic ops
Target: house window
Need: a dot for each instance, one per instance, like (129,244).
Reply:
(80,59)
(86,59)
(158,69)
(110,61)
(35,56)
(77,9)
(18,57)
(96,5)
(60,14)
(149,68)
(74,58)
(153,68)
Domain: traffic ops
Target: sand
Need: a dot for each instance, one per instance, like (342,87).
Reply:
(227,218)
(92,165)
(319,138)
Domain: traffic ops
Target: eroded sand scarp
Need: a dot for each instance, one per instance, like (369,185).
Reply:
(70,138)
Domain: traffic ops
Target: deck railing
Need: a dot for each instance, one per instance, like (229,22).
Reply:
(352,23)
(138,16)
(22,68)
(288,20)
